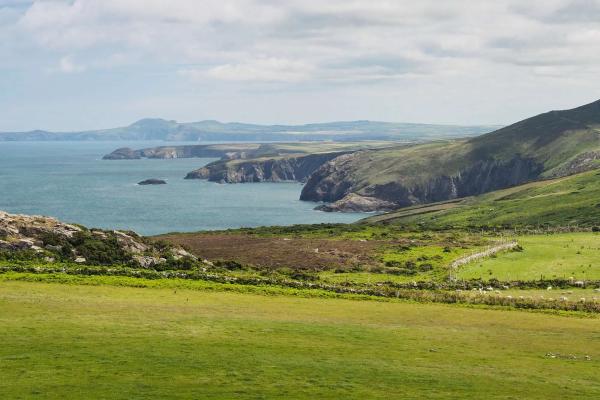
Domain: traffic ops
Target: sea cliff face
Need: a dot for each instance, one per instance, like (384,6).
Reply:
(289,168)
(336,183)
(188,151)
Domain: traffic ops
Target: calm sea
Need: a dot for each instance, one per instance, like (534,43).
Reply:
(70,181)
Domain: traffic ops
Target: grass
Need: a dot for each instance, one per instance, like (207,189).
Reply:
(570,201)
(574,255)
(387,251)
(115,342)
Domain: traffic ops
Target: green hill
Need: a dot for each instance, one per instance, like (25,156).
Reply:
(560,202)
(554,144)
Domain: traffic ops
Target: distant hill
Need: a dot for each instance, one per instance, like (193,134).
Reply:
(553,144)
(160,129)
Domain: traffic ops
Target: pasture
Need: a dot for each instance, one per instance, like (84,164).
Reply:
(66,340)
(564,256)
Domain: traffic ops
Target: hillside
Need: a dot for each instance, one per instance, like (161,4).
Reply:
(560,202)
(553,144)
(160,129)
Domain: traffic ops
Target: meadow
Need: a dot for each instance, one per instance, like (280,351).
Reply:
(567,255)
(69,340)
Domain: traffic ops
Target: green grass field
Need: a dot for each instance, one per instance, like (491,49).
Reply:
(71,341)
(574,255)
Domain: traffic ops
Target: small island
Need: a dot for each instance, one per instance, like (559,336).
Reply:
(153,182)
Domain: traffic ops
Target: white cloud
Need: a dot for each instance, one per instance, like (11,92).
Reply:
(227,36)
(265,70)
(68,66)
(388,47)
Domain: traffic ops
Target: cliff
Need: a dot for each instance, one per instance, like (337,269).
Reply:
(553,144)
(276,169)
(334,182)
(186,151)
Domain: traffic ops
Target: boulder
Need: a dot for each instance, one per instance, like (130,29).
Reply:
(153,181)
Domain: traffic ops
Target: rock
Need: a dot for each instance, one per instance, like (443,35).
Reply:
(24,244)
(124,153)
(148,261)
(4,245)
(357,203)
(153,181)
(179,253)
(42,235)
(129,243)
(200,173)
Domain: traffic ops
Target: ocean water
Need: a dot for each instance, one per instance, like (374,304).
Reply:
(70,181)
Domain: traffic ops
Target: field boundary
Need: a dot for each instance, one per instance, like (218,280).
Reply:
(485,253)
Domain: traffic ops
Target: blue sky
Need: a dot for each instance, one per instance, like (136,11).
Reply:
(86,64)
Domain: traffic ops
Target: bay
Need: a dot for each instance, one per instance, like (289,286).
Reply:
(70,181)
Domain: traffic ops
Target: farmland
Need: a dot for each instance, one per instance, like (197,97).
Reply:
(573,255)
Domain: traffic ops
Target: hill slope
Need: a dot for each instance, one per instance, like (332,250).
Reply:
(560,202)
(553,144)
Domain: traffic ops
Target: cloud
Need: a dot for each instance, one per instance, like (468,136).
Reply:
(251,40)
(266,70)
(385,47)
(67,66)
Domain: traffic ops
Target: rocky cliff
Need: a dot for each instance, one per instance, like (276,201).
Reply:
(557,143)
(336,183)
(277,169)
(187,151)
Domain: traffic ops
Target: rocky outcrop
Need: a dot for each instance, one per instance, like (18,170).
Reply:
(123,153)
(581,163)
(357,203)
(51,240)
(200,173)
(277,169)
(152,181)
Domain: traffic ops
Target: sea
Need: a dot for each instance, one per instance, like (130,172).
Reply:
(70,181)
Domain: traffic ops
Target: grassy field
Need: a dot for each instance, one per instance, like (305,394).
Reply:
(114,342)
(574,255)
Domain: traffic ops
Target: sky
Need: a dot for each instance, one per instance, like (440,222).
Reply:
(90,64)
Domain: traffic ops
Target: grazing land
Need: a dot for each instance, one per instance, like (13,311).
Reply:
(572,255)
(117,342)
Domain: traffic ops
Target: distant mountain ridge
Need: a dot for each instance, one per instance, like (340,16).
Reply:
(210,130)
